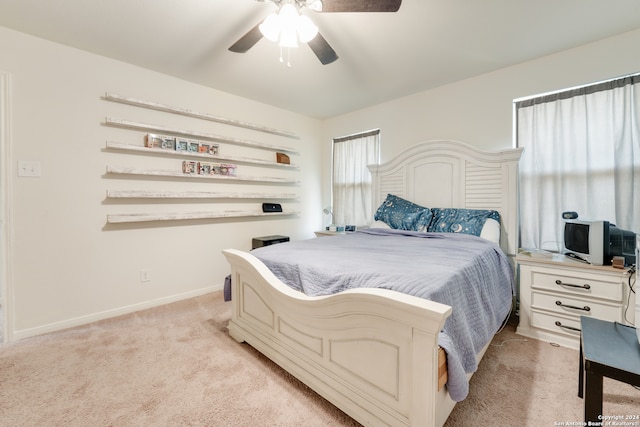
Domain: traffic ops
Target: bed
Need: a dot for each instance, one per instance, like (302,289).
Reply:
(375,353)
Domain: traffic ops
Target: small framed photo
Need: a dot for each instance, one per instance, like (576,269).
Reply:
(181,144)
(164,142)
(204,168)
(168,143)
(193,146)
(152,140)
(228,169)
(203,148)
(213,149)
(189,167)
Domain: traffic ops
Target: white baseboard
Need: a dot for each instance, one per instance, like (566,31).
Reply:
(94,317)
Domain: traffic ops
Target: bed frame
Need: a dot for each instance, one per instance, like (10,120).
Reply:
(373,353)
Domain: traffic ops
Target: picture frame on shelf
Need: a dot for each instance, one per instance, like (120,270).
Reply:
(193,146)
(152,140)
(204,168)
(168,143)
(228,169)
(189,167)
(181,144)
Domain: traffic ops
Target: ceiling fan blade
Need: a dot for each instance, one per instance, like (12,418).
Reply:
(247,41)
(361,5)
(323,51)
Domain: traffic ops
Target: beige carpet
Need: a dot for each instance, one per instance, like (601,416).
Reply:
(175,365)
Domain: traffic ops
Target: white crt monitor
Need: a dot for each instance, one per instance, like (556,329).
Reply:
(587,239)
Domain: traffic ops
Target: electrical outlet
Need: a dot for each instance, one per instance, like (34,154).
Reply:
(145,276)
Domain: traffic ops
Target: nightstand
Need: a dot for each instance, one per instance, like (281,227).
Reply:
(555,291)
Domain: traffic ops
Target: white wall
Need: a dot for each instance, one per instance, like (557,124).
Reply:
(478,111)
(69,268)
(67,265)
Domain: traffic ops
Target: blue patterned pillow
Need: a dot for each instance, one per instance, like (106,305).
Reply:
(402,214)
(468,221)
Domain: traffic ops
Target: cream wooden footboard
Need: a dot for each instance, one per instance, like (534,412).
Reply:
(370,352)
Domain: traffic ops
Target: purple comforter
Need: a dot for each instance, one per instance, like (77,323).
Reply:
(466,272)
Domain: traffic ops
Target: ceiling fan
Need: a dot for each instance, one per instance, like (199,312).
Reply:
(310,34)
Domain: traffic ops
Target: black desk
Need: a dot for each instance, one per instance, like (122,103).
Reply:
(606,350)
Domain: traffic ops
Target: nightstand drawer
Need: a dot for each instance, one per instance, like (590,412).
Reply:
(568,305)
(577,285)
(556,324)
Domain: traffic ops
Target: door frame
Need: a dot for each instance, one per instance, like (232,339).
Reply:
(6,172)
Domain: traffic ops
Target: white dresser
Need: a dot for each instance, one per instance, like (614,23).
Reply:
(555,291)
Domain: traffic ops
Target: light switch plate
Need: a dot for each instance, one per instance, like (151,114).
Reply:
(29,168)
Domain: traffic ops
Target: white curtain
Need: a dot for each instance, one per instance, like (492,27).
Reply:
(582,154)
(351,187)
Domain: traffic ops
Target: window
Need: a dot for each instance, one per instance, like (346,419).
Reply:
(582,154)
(351,182)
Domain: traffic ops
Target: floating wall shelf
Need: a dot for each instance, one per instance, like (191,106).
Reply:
(172,153)
(226,183)
(197,135)
(173,174)
(189,113)
(146,217)
(151,194)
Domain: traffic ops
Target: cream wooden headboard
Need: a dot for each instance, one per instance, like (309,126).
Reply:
(450,174)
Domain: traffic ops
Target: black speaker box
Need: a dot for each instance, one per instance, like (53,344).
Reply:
(258,242)
(271,207)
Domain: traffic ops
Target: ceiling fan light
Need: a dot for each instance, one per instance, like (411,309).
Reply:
(289,16)
(270,28)
(288,37)
(315,5)
(307,30)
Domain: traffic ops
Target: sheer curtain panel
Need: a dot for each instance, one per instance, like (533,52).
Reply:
(581,153)
(351,184)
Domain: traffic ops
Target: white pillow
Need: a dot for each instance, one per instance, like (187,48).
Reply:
(491,230)
(379,224)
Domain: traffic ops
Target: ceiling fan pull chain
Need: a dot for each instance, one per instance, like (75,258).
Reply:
(288,57)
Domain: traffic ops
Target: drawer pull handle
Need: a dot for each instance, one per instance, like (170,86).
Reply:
(559,283)
(585,308)
(571,328)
